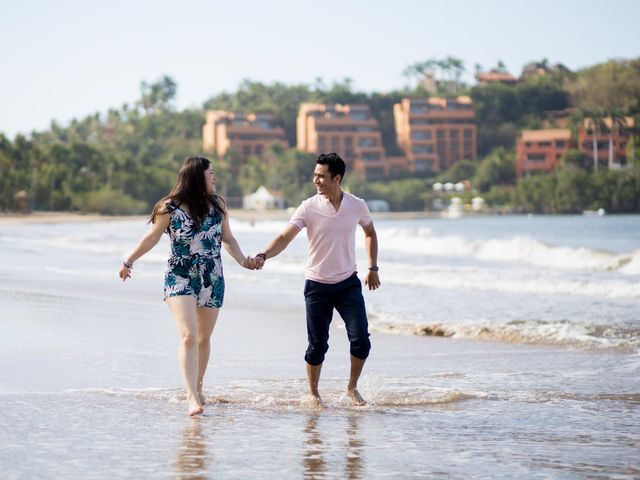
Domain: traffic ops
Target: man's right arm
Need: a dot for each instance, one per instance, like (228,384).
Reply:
(281,242)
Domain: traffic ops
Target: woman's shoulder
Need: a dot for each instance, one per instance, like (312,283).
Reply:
(217,205)
(169,205)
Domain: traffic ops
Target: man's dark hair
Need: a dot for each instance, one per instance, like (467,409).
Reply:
(334,162)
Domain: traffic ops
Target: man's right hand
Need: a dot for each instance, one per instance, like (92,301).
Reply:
(259,261)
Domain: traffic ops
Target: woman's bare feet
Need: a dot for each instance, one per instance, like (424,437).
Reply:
(195,406)
(356,398)
(203,399)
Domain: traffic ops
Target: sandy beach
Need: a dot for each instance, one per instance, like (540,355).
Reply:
(61,217)
(115,407)
(241,214)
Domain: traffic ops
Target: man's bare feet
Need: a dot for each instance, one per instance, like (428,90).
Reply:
(356,398)
(195,406)
(315,401)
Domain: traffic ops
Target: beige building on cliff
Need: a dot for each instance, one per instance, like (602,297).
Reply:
(246,134)
(351,132)
(436,132)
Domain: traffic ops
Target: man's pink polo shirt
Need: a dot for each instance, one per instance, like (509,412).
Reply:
(331,235)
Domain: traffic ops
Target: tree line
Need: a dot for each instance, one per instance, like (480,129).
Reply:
(122,161)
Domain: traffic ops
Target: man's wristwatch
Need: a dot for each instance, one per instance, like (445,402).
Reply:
(263,256)
(374,268)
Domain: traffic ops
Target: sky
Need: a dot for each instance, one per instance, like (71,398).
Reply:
(67,59)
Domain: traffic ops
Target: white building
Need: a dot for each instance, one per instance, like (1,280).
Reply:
(263,199)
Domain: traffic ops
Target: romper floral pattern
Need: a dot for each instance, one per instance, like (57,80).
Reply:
(195,266)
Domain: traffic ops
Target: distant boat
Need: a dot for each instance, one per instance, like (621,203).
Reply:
(600,212)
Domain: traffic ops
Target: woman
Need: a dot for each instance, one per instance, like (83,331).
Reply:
(197,223)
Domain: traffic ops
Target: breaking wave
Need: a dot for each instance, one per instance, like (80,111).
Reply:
(512,281)
(553,333)
(421,241)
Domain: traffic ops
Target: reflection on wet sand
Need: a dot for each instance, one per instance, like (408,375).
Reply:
(191,456)
(355,445)
(314,462)
(316,450)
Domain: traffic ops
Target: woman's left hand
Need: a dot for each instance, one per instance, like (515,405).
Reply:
(249,263)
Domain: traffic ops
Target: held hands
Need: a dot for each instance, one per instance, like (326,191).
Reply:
(253,263)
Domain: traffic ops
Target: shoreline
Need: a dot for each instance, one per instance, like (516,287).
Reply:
(44,217)
(247,215)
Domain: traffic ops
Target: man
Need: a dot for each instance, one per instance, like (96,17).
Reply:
(330,218)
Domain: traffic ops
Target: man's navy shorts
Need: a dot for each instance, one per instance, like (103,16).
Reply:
(346,297)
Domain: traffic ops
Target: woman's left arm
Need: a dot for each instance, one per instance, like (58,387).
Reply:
(231,245)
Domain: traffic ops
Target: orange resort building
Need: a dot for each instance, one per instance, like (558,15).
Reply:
(540,150)
(436,132)
(246,134)
(608,140)
(351,132)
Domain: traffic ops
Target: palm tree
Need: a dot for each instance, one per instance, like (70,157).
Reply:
(618,124)
(420,70)
(595,119)
(413,71)
(457,67)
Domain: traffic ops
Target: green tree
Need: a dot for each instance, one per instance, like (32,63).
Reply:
(459,171)
(536,194)
(608,86)
(157,97)
(496,169)
(253,174)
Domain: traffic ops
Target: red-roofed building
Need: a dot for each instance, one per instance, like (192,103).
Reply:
(496,76)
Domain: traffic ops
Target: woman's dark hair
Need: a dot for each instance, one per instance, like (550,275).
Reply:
(334,162)
(191,190)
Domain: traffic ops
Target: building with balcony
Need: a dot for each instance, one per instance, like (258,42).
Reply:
(246,134)
(608,140)
(540,150)
(348,130)
(436,132)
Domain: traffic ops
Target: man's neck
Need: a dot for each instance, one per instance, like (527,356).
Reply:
(335,198)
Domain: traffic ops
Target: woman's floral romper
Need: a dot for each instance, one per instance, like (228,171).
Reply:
(195,267)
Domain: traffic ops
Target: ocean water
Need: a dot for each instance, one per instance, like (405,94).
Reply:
(503,347)
(557,280)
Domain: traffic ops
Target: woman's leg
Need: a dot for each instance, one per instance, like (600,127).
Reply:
(183,309)
(207,318)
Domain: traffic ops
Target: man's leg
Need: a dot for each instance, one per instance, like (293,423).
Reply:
(350,306)
(319,308)
(352,388)
(313,377)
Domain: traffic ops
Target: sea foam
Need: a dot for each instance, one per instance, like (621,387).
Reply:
(522,249)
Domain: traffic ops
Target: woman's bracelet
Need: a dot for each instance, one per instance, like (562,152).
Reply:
(127,264)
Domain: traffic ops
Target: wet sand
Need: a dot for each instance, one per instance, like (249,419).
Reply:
(91,388)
